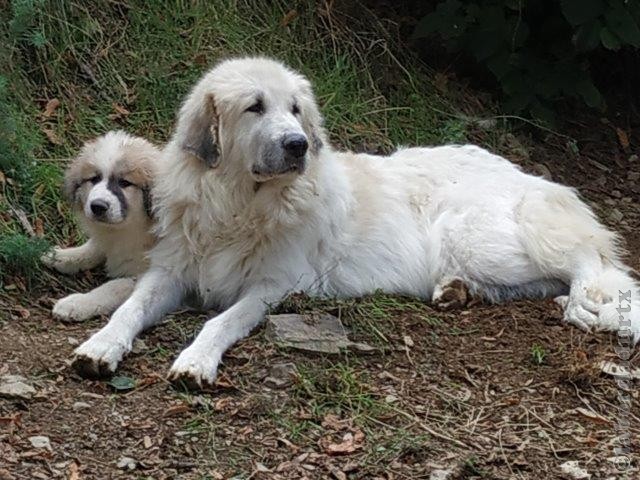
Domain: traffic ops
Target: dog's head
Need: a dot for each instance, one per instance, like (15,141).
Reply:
(110,180)
(254,114)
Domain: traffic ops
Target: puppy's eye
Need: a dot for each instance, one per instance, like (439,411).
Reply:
(257,107)
(122,183)
(295,109)
(95,179)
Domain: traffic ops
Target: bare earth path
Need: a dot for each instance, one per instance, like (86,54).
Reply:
(489,392)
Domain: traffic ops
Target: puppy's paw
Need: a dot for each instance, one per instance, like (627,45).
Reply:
(193,370)
(75,308)
(59,259)
(99,356)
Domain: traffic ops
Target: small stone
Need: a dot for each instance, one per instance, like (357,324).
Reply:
(80,406)
(390,399)
(281,375)
(313,333)
(616,215)
(408,341)
(441,475)
(572,470)
(16,387)
(73,341)
(127,463)
(40,442)
(138,346)
(542,170)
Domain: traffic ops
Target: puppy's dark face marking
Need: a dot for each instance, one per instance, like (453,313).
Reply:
(114,185)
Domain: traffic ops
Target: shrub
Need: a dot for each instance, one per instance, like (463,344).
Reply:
(537,50)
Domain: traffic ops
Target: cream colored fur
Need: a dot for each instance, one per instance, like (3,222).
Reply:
(243,230)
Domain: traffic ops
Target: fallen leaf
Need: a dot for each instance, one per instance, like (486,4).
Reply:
(289,17)
(350,443)
(38,227)
(120,109)
(122,383)
(623,138)
(593,416)
(50,107)
(176,410)
(74,472)
(52,136)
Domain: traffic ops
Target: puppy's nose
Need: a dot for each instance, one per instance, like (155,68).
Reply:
(99,207)
(295,145)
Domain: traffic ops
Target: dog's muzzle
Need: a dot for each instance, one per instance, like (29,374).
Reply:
(290,156)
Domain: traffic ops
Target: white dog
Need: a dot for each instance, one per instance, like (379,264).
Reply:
(253,203)
(108,185)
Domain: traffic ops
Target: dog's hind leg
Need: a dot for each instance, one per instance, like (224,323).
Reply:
(102,300)
(565,240)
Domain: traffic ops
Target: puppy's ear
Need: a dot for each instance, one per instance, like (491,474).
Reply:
(200,137)
(72,181)
(147,201)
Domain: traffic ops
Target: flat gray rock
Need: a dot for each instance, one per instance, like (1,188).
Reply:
(15,387)
(321,333)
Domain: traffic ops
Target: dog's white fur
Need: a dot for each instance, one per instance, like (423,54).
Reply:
(243,231)
(121,237)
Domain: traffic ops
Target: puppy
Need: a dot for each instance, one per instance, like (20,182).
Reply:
(108,185)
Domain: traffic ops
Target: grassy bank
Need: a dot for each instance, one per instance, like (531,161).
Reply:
(71,72)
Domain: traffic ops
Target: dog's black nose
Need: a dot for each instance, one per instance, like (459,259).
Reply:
(99,207)
(295,145)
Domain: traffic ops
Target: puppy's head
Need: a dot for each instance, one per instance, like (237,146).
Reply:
(109,182)
(254,115)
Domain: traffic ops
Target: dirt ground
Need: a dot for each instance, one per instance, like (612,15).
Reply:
(496,392)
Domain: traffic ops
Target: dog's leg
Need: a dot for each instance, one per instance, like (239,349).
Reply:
(155,294)
(197,365)
(73,260)
(99,301)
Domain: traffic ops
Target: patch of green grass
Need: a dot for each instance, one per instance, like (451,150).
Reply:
(338,388)
(20,255)
(538,354)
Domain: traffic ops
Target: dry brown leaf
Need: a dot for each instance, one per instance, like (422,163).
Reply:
(593,416)
(176,410)
(52,136)
(23,312)
(334,422)
(120,109)
(289,17)
(38,227)
(350,443)
(50,107)
(623,138)
(74,472)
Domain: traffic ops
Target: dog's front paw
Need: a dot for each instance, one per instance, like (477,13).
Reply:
(193,370)
(74,308)
(58,259)
(99,356)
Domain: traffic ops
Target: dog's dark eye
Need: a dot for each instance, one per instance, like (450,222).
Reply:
(122,183)
(295,109)
(95,179)
(257,107)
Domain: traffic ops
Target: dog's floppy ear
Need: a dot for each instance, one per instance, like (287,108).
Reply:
(201,131)
(72,180)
